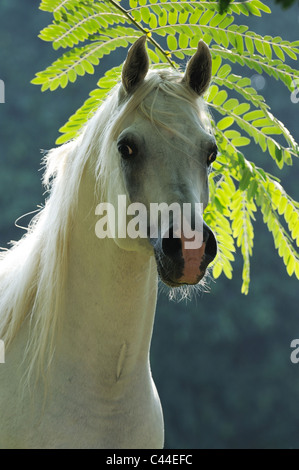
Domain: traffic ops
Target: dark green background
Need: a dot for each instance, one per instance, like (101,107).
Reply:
(221,362)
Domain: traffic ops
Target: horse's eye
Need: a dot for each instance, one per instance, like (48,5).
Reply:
(212,157)
(125,150)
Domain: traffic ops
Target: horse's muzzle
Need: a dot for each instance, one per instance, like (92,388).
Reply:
(179,264)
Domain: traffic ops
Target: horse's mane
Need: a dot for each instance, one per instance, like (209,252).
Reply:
(33,270)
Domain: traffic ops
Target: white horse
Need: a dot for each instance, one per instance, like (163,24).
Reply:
(76,311)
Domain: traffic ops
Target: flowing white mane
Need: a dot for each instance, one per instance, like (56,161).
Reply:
(33,271)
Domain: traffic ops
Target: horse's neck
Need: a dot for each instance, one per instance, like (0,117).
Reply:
(110,301)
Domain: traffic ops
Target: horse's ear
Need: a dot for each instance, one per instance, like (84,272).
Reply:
(199,69)
(136,65)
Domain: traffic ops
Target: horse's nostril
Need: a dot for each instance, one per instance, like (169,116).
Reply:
(171,246)
(210,241)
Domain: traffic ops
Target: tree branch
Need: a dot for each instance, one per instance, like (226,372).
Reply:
(144,31)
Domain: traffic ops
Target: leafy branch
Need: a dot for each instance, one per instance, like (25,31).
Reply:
(89,30)
(143,30)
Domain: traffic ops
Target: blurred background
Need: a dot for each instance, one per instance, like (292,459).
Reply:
(221,362)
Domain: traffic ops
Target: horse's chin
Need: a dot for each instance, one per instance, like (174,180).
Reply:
(171,283)
(171,279)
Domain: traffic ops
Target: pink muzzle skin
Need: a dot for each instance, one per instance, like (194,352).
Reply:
(193,259)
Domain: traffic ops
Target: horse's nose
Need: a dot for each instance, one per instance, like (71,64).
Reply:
(171,245)
(195,260)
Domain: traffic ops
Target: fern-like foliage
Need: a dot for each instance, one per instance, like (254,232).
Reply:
(89,30)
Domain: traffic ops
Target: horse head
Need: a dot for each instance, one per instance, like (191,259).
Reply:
(164,150)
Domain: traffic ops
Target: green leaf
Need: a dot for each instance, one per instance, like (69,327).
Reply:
(241,108)
(230,104)
(216,64)
(206,17)
(259,46)
(267,50)
(249,44)
(225,123)
(240,141)
(239,44)
(172,43)
(245,180)
(145,14)
(172,16)
(220,98)
(289,52)
(278,51)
